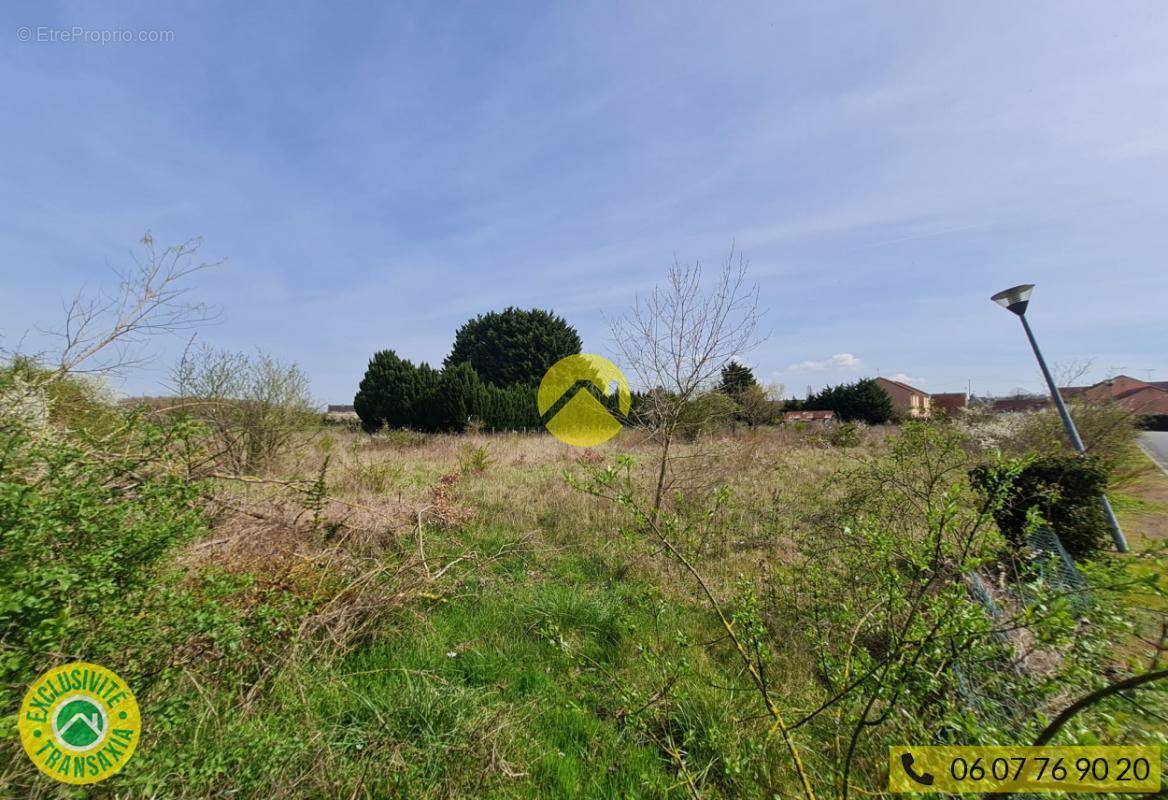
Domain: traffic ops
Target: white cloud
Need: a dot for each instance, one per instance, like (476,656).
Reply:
(840,361)
(902,378)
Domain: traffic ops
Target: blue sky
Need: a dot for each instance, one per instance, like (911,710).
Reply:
(374,175)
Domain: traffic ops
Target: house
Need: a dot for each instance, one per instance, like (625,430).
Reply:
(808,416)
(951,402)
(906,400)
(1143,398)
(1132,394)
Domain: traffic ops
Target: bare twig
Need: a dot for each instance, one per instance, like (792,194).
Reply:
(102,329)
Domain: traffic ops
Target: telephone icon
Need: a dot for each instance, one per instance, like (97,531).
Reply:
(924,779)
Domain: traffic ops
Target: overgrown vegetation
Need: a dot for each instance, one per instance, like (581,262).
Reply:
(82,526)
(559,659)
(251,405)
(1061,492)
(686,610)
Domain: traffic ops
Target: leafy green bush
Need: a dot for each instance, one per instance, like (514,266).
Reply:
(509,408)
(81,525)
(1064,490)
(843,434)
(513,346)
(706,413)
(1108,432)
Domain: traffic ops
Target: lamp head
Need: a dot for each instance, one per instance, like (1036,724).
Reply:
(1015,299)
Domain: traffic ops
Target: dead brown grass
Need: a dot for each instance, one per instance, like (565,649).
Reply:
(385,491)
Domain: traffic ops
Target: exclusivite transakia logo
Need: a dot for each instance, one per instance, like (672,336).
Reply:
(79,723)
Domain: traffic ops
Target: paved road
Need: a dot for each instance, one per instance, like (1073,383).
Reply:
(1155,444)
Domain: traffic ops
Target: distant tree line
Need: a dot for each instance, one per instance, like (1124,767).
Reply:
(861,401)
(498,359)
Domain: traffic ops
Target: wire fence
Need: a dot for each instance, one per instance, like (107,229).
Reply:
(994,702)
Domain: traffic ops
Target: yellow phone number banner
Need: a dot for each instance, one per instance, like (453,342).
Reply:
(957,770)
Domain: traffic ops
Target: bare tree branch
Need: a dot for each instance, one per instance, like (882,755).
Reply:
(1071,372)
(103,331)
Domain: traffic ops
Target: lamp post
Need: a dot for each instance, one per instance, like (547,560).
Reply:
(1016,299)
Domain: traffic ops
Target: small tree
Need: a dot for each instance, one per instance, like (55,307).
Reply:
(756,406)
(513,346)
(677,340)
(104,330)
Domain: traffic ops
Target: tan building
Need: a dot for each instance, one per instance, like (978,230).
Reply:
(908,401)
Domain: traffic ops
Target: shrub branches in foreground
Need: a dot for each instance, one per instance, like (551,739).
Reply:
(901,600)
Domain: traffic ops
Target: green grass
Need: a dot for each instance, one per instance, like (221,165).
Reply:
(1122,502)
(509,688)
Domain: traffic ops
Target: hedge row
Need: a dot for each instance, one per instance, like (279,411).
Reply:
(399,394)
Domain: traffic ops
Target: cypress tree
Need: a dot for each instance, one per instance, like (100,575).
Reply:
(386,395)
(513,346)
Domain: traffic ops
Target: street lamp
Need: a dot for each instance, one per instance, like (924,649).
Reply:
(1015,300)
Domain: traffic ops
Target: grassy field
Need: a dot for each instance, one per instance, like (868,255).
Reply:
(528,668)
(404,615)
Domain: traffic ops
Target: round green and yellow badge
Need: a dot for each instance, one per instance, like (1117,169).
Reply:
(79,723)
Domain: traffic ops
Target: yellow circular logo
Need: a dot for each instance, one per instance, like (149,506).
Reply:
(574,391)
(79,723)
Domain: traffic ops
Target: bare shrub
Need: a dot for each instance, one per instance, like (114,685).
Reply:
(252,405)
